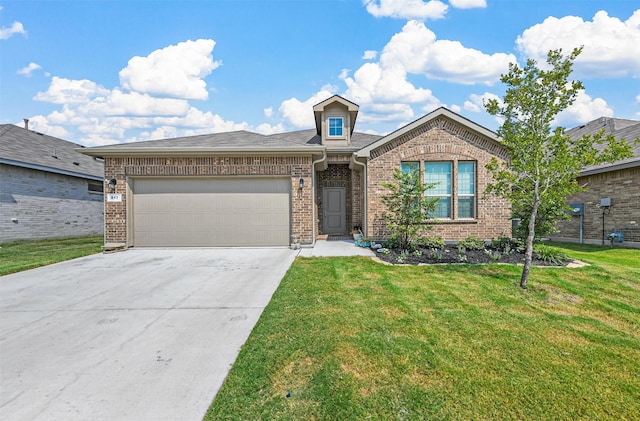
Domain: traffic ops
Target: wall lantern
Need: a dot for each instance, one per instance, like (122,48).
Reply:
(112,183)
(301,185)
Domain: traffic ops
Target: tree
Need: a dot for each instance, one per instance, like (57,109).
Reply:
(408,207)
(545,162)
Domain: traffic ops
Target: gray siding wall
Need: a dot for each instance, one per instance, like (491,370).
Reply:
(37,205)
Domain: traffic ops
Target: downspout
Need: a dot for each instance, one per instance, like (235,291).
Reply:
(365,222)
(315,194)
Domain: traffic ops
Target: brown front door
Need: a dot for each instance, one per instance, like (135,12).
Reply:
(334,211)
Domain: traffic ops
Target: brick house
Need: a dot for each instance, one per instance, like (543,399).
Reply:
(247,189)
(47,188)
(612,201)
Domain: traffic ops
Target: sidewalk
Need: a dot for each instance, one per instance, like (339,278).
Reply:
(324,248)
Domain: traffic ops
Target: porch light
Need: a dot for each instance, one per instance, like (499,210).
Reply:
(112,184)
(301,183)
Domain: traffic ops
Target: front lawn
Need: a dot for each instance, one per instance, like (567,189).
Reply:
(349,338)
(23,255)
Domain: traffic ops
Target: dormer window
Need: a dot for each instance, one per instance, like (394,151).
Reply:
(335,126)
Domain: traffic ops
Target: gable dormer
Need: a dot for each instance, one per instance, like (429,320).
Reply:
(335,119)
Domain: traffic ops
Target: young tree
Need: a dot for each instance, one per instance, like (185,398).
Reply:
(544,162)
(408,207)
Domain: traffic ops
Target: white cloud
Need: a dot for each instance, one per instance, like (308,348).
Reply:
(583,110)
(299,113)
(417,49)
(15,28)
(176,71)
(370,55)
(475,103)
(611,47)
(267,129)
(468,4)
(455,108)
(42,124)
(27,71)
(268,112)
(407,9)
(386,113)
(638,99)
(69,91)
(134,104)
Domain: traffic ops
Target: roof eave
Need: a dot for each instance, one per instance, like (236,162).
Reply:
(173,151)
(49,169)
(610,168)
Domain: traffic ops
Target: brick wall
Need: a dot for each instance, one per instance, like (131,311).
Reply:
(440,141)
(46,205)
(623,187)
(295,167)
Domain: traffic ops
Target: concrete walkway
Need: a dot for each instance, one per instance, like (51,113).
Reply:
(324,248)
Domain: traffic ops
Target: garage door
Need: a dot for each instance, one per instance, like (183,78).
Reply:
(211,212)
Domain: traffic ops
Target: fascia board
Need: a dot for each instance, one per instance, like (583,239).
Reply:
(164,151)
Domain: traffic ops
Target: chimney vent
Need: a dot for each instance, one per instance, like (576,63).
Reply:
(26,123)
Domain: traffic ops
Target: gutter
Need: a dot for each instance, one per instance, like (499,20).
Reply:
(364,187)
(195,151)
(315,195)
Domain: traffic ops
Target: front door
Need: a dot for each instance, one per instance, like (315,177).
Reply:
(334,211)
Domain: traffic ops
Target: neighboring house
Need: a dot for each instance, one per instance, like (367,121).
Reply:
(47,188)
(246,189)
(612,201)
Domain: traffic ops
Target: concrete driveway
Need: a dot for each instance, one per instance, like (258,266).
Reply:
(145,334)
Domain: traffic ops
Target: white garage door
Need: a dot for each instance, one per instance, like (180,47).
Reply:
(210,212)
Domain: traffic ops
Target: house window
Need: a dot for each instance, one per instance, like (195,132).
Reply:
(409,167)
(466,189)
(439,174)
(95,186)
(335,126)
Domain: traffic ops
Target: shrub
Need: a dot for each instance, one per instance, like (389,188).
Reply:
(431,242)
(471,243)
(550,254)
(507,245)
(407,207)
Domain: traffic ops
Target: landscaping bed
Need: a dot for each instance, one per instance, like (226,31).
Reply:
(451,255)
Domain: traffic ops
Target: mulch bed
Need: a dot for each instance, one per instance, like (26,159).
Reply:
(451,255)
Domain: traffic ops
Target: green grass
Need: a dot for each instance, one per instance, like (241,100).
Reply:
(349,338)
(23,255)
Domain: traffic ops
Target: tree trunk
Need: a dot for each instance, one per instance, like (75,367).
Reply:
(528,255)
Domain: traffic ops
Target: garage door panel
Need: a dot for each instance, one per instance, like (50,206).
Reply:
(211,212)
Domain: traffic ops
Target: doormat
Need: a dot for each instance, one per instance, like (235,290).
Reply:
(339,237)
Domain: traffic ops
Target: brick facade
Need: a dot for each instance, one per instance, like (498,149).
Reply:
(623,187)
(39,205)
(440,140)
(295,167)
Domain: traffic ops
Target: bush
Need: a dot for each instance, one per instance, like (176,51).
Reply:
(431,242)
(471,243)
(550,254)
(507,245)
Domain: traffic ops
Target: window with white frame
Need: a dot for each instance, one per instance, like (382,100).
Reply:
(335,126)
(439,174)
(466,189)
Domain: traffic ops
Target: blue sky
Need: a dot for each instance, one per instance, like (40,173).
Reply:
(101,72)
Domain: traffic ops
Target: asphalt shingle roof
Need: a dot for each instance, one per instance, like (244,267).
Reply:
(244,139)
(621,129)
(19,146)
